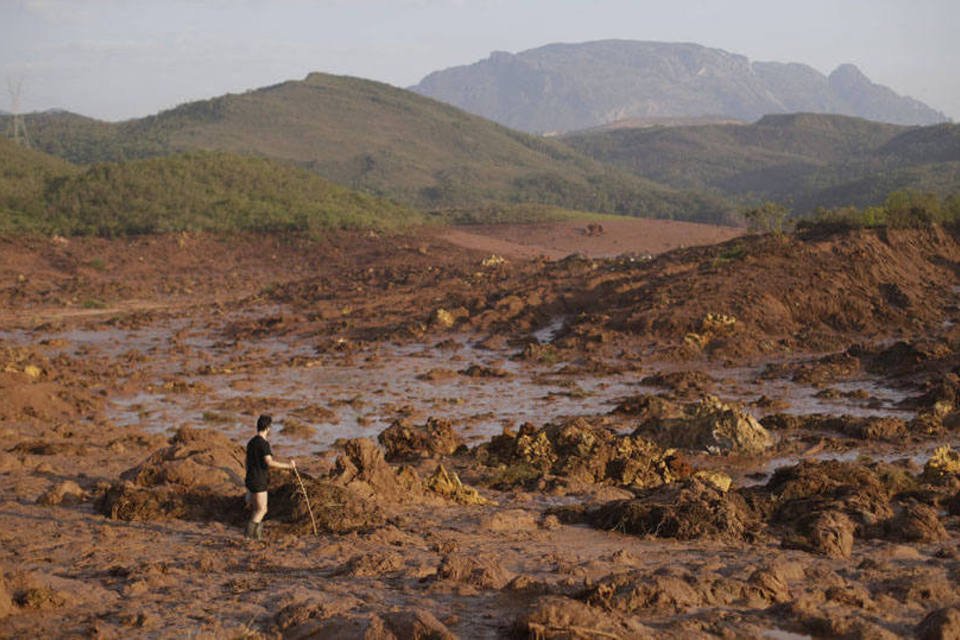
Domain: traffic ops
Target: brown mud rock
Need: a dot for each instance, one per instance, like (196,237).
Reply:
(126,501)
(67,492)
(687,510)
(711,425)
(404,441)
(915,522)
(299,612)
(362,469)
(6,599)
(940,624)
(196,458)
(799,492)
(559,618)
(483,572)
(828,533)
(416,624)
(579,451)
(335,509)
(683,383)
(649,408)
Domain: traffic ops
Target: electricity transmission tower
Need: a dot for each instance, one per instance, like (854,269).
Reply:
(17,125)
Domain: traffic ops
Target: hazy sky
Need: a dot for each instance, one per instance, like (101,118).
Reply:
(117,59)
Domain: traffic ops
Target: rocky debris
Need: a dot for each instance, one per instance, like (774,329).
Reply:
(447,484)
(560,618)
(942,466)
(649,408)
(861,427)
(710,425)
(414,624)
(405,441)
(687,510)
(363,469)
(684,384)
(681,590)
(579,451)
(481,371)
(940,624)
(65,493)
(293,428)
(335,509)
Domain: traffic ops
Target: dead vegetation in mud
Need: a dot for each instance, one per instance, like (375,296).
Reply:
(115,532)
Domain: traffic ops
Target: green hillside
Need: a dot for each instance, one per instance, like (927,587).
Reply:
(382,140)
(25,177)
(805,160)
(198,191)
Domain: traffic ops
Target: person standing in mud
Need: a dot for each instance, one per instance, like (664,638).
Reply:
(259,461)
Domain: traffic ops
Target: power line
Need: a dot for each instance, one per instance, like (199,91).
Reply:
(17,124)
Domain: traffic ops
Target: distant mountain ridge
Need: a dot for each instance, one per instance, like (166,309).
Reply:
(568,87)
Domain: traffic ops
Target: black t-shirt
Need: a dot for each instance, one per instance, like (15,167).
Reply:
(257,451)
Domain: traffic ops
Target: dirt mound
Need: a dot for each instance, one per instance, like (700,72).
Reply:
(559,618)
(579,451)
(198,459)
(335,509)
(709,425)
(480,572)
(404,441)
(915,522)
(687,510)
(126,501)
(363,469)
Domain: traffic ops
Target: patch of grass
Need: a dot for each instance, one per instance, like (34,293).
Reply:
(93,303)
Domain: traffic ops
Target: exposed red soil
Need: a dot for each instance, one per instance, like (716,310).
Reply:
(114,530)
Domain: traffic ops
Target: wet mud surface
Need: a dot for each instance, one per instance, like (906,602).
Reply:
(754,439)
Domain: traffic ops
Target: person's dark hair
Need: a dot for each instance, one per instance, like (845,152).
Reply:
(263,423)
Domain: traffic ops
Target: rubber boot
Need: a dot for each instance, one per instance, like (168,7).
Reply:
(259,531)
(251,529)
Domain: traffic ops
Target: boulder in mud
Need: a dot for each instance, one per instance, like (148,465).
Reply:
(405,441)
(688,510)
(710,425)
(940,624)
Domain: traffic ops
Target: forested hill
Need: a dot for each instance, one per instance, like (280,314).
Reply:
(197,191)
(379,139)
(568,87)
(804,160)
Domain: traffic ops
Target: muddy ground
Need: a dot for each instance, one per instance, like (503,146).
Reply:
(754,439)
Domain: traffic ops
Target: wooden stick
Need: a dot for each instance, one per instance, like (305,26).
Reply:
(307,498)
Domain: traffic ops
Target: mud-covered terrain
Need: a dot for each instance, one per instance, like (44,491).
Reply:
(755,439)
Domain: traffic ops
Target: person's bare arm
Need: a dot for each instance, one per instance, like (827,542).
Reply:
(273,464)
